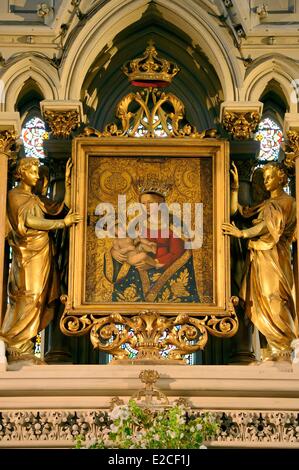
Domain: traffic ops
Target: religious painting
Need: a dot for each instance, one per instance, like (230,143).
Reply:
(151,234)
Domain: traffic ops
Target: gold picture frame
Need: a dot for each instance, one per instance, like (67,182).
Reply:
(84,149)
(150,327)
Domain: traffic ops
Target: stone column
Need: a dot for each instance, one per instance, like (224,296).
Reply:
(240,120)
(9,128)
(62,117)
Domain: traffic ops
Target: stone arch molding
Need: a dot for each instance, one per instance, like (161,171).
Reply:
(13,79)
(116,15)
(278,68)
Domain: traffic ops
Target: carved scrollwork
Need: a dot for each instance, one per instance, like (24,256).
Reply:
(8,143)
(158,114)
(150,112)
(259,426)
(293,141)
(149,393)
(150,332)
(291,149)
(61,426)
(72,324)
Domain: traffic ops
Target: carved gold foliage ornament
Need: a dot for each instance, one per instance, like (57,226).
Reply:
(158,114)
(7,141)
(62,123)
(291,149)
(293,141)
(149,332)
(241,124)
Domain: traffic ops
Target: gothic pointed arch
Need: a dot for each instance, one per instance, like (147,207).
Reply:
(275,102)
(197,83)
(30,67)
(277,70)
(99,32)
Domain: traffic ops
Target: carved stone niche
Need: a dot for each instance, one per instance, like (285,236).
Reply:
(241,118)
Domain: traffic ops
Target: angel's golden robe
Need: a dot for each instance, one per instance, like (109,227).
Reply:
(33,282)
(267,287)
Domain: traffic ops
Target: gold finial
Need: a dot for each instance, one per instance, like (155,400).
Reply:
(150,68)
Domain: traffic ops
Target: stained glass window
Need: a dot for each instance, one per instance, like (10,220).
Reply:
(33,135)
(270,135)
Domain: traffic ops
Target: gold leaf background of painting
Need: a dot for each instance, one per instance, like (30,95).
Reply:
(110,177)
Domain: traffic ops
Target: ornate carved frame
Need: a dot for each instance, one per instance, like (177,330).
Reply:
(186,325)
(121,146)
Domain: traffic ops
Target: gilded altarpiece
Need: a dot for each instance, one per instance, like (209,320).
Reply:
(191,297)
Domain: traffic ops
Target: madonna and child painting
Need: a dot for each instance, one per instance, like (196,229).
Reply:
(150,230)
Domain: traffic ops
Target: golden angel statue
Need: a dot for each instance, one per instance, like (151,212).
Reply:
(33,280)
(267,284)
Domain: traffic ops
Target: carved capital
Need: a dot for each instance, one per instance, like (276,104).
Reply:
(241,118)
(291,148)
(241,124)
(7,142)
(62,123)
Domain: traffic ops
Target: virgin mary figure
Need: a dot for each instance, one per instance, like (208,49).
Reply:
(155,268)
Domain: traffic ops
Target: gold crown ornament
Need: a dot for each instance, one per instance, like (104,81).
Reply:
(150,70)
(152,184)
